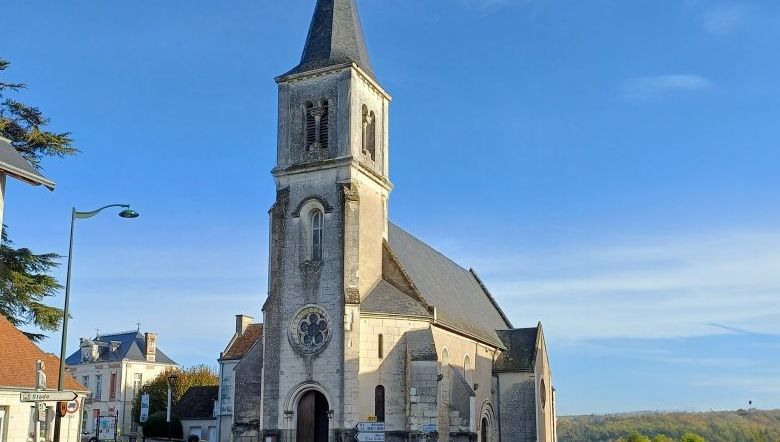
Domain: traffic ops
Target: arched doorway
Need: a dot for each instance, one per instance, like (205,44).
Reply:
(485,431)
(312,423)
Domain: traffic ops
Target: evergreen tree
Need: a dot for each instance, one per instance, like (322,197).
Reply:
(24,279)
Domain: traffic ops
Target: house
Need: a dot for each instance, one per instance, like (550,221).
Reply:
(14,165)
(197,411)
(18,358)
(115,367)
(247,334)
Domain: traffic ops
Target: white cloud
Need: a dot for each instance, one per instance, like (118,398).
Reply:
(653,87)
(725,19)
(651,288)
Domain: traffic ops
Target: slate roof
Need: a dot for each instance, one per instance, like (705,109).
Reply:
(240,346)
(197,403)
(386,298)
(458,376)
(461,301)
(12,163)
(521,349)
(335,37)
(132,346)
(17,363)
(422,347)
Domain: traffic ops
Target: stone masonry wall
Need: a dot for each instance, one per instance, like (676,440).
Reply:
(518,407)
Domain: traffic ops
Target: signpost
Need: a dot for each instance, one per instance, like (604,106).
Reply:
(370,432)
(48,396)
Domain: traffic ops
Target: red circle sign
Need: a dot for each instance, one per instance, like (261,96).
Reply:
(73,406)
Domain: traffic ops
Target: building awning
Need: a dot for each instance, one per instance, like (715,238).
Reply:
(13,164)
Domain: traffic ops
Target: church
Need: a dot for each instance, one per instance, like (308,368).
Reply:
(368,333)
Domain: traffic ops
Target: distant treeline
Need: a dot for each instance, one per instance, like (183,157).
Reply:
(736,426)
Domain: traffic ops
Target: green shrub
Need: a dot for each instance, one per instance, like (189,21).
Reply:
(157,426)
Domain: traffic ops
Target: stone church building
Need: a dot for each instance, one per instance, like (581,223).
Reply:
(363,321)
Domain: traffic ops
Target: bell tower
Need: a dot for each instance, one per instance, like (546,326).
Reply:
(328,225)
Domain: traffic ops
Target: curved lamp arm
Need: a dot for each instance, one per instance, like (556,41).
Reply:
(85,215)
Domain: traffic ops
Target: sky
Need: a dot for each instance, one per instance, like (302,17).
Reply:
(610,168)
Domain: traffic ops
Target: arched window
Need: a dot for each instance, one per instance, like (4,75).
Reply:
(543,393)
(379,403)
(468,372)
(369,133)
(445,358)
(381,346)
(317,125)
(316,235)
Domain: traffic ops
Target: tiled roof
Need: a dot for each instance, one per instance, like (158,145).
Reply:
(197,403)
(521,349)
(132,346)
(461,300)
(13,164)
(335,37)
(18,356)
(241,345)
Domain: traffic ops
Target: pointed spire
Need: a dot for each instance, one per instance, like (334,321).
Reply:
(335,37)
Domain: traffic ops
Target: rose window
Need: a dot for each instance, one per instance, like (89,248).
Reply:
(310,330)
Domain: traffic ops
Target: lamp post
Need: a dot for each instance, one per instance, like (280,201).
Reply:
(171,379)
(126,213)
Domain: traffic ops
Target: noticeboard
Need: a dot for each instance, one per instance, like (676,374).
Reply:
(107,428)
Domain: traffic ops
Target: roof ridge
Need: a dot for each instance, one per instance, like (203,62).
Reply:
(491,298)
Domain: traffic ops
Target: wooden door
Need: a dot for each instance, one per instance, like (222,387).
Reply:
(313,419)
(307,408)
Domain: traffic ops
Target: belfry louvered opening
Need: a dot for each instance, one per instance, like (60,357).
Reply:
(317,130)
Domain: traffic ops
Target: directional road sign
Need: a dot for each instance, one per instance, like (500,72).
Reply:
(370,437)
(48,396)
(371,427)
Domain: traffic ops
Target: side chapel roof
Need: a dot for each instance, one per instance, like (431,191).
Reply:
(520,354)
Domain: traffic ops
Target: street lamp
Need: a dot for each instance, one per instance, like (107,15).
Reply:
(171,379)
(126,213)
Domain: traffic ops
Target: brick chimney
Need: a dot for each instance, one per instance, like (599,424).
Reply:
(242,322)
(151,346)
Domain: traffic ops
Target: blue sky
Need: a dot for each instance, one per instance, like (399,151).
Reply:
(609,167)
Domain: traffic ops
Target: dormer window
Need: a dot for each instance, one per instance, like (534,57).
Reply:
(317,117)
(369,133)
(316,235)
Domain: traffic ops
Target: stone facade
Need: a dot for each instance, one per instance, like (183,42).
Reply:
(363,322)
(115,367)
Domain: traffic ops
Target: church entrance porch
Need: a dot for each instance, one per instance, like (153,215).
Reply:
(312,418)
